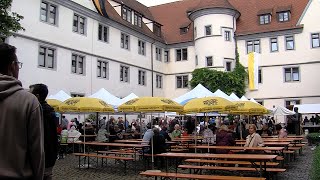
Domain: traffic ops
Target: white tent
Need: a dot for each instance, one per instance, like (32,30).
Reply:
(282,111)
(252,100)
(234,97)
(308,108)
(243,98)
(198,92)
(128,98)
(106,97)
(221,94)
(61,96)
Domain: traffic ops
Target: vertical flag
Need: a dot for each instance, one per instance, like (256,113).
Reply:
(253,70)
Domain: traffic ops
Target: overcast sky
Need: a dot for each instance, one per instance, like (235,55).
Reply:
(154,2)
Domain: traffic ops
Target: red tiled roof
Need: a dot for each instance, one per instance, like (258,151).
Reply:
(112,14)
(136,6)
(173,15)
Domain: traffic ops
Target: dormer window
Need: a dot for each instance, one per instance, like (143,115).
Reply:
(137,20)
(126,14)
(265,18)
(184,30)
(284,16)
(157,29)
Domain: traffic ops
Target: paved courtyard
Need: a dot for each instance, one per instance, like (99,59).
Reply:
(67,169)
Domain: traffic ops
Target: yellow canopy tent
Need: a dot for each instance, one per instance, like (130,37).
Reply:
(248,108)
(208,104)
(54,103)
(150,104)
(85,104)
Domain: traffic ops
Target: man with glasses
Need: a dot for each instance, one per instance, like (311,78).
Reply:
(21,124)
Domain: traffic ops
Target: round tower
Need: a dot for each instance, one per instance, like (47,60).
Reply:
(214,27)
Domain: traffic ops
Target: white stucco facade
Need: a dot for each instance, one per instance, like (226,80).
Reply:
(272,91)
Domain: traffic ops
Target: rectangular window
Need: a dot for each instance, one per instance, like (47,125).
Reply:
(195,32)
(292,102)
(125,40)
(227,35)
(228,66)
(102,69)
(253,46)
(141,47)
(265,19)
(196,59)
(79,24)
(124,74)
(208,30)
(158,54)
(141,77)
(182,81)
(46,57)
(157,29)
(126,14)
(166,56)
(158,81)
(77,64)
(259,76)
(284,16)
(209,61)
(103,33)
(48,12)
(289,43)
(182,54)
(315,40)
(291,74)
(273,44)
(77,95)
(137,20)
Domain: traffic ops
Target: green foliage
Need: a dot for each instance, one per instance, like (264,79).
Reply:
(227,82)
(9,21)
(313,138)
(315,170)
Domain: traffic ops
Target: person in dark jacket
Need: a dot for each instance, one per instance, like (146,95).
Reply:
(190,126)
(165,134)
(50,129)
(224,138)
(159,143)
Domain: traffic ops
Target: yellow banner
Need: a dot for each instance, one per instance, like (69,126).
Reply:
(251,71)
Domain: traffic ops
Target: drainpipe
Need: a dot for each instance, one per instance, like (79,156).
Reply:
(152,88)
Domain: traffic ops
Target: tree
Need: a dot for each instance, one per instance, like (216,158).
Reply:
(227,82)
(9,21)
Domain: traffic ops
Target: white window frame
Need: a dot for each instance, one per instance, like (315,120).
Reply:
(196,60)
(142,77)
(76,25)
(231,65)
(126,14)
(46,57)
(159,81)
(102,69)
(141,47)
(48,13)
(103,33)
(183,78)
(124,70)
(260,76)
(281,16)
(291,74)
(166,56)
(78,69)
(137,20)
(125,41)
(181,54)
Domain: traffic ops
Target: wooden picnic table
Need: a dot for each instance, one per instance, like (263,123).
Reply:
(240,148)
(114,144)
(131,141)
(269,140)
(261,158)
(285,144)
(290,136)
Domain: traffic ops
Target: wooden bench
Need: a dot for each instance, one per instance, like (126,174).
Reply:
(290,154)
(196,176)
(124,159)
(228,162)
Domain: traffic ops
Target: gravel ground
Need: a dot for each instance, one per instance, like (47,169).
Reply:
(67,169)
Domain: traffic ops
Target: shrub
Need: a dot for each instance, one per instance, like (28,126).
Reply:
(315,170)
(313,138)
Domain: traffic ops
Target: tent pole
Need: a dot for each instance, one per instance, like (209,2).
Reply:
(140,125)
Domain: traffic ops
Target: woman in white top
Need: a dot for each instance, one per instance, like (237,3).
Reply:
(253,139)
